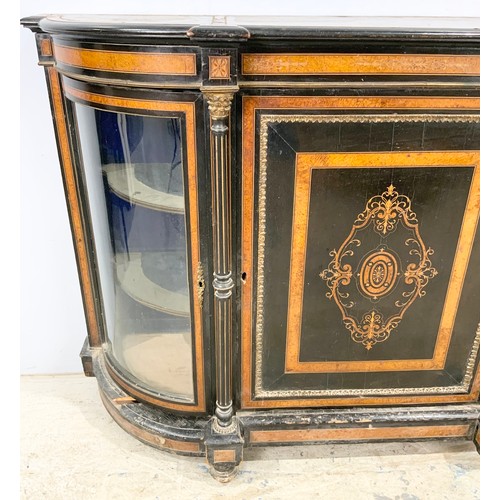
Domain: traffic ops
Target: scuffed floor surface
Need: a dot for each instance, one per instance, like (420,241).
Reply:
(71,449)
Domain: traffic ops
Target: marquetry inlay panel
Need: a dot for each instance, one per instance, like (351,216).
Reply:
(351,280)
(126,62)
(219,67)
(369,64)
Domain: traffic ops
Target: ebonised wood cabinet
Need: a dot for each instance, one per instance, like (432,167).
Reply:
(275,223)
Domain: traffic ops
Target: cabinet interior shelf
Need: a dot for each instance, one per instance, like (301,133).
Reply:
(135,283)
(123,181)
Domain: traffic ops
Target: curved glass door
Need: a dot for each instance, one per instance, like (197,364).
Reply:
(134,174)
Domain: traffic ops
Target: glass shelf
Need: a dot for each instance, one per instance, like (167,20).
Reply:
(126,182)
(169,295)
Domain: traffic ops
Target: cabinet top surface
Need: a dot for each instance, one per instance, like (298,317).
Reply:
(245,27)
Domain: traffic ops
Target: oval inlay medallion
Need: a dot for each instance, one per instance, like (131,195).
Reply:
(378,274)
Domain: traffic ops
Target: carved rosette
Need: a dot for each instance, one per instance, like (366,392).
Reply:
(374,298)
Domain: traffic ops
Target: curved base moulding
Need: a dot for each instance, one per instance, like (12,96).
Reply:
(362,426)
(197,436)
(151,425)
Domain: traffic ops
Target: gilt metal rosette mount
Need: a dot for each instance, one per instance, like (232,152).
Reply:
(381,268)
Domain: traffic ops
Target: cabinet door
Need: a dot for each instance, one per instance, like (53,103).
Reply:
(139,161)
(360,248)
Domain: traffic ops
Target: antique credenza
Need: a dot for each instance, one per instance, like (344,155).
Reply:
(275,224)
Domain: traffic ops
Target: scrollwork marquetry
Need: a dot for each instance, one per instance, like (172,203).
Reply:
(295,64)
(385,213)
(385,209)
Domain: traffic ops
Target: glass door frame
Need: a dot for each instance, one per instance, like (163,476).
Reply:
(187,107)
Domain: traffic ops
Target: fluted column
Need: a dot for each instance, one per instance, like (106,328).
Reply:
(219,104)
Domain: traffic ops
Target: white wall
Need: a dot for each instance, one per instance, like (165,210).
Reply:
(52,322)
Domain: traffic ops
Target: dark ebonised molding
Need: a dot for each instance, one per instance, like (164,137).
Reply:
(241,28)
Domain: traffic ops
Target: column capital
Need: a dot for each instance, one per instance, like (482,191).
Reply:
(219,100)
